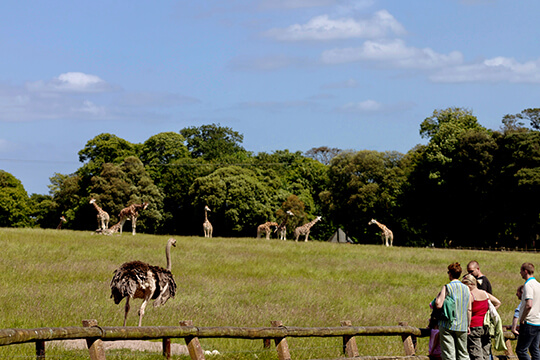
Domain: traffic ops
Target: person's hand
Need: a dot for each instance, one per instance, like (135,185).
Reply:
(514,331)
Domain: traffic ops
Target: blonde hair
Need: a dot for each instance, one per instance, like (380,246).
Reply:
(469,280)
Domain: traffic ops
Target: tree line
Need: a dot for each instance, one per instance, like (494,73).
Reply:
(468,186)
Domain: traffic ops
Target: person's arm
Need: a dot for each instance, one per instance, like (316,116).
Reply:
(469,313)
(496,302)
(513,329)
(439,300)
(515,320)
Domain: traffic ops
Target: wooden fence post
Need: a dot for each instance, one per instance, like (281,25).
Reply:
(40,350)
(408,342)
(509,351)
(95,346)
(281,344)
(167,348)
(194,346)
(350,349)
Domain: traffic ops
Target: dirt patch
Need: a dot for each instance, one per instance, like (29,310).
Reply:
(133,345)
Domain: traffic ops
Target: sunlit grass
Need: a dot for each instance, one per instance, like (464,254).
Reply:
(58,278)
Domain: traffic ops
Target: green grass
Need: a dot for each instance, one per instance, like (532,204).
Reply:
(55,278)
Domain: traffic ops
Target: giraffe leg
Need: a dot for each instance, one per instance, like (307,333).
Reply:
(267,234)
(307,235)
(126,310)
(122,222)
(134,224)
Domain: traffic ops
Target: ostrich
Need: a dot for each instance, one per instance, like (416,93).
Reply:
(139,280)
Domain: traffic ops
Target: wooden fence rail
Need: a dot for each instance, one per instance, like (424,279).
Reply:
(95,335)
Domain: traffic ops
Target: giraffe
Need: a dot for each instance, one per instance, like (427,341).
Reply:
(207,227)
(112,230)
(102,216)
(281,229)
(266,228)
(131,213)
(386,234)
(62,220)
(305,229)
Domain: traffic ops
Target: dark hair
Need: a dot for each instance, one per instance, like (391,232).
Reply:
(455,270)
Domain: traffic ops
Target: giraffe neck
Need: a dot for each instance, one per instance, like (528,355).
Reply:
(311,223)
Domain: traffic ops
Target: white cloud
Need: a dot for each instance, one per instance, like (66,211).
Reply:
(362,106)
(393,53)
(498,69)
(71,82)
(324,28)
(294,4)
(78,96)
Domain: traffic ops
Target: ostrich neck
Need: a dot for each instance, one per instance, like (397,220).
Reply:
(168,254)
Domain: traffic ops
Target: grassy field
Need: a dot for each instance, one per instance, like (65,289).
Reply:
(55,278)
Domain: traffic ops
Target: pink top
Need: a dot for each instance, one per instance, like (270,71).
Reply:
(479,310)
(434,343)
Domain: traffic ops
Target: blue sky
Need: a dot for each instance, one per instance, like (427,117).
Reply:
(287,74)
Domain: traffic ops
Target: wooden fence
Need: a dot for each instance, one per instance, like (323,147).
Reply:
(95,335)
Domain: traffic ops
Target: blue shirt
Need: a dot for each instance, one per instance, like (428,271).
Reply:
(461,294)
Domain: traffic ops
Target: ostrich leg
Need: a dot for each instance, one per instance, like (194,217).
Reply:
(127,310)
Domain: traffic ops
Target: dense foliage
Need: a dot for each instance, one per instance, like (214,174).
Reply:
(468,186)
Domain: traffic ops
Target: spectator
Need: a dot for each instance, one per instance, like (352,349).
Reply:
(482,281)
(529,316)
(479,340)
(515,320)
(434,340)
(453,334)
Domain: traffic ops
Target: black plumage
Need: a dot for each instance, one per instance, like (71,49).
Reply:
(139,280)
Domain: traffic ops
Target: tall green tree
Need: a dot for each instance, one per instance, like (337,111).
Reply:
(363,185)
(449,191)
(102,149)
(15,206)
(118,186)
(517,188)
(214,143)
(238,200)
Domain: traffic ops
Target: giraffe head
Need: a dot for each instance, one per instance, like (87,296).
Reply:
(319,218)
(290,213)
(63,219)
(207,208)
(92,200)
(373,221)
(144,205)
